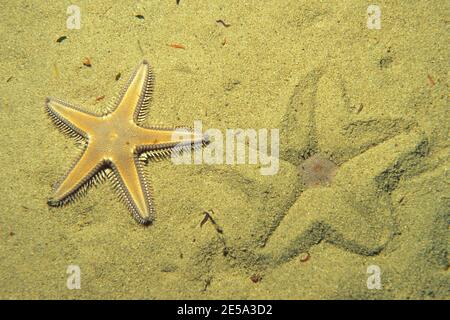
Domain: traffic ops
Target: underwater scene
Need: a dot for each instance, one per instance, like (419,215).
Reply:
(181,149)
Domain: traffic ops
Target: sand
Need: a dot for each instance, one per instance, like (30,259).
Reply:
(374,102)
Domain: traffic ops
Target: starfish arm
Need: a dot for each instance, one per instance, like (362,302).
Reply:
(133,188)
(298,125)
(343,132)
(70,119)
(80,176)
(134,99)
(382,166)
(169,139)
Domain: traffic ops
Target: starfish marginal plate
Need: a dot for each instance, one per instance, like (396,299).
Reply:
(116,145)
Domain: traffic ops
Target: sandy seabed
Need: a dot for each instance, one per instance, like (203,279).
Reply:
(369,104)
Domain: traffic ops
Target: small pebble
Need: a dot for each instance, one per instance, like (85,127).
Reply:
(304,257)
(256,278)
(61,39)
(87,62)
(359,108)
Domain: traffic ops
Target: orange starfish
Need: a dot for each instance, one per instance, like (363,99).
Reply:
(116,143)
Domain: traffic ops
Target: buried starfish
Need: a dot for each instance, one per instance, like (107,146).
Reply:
(349,164)
(115,145)
(338,170)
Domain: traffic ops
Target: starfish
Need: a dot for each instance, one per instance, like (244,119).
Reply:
(116,145)
(346,202)
(325,192)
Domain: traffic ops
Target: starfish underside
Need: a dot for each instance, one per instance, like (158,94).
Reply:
(116,144)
